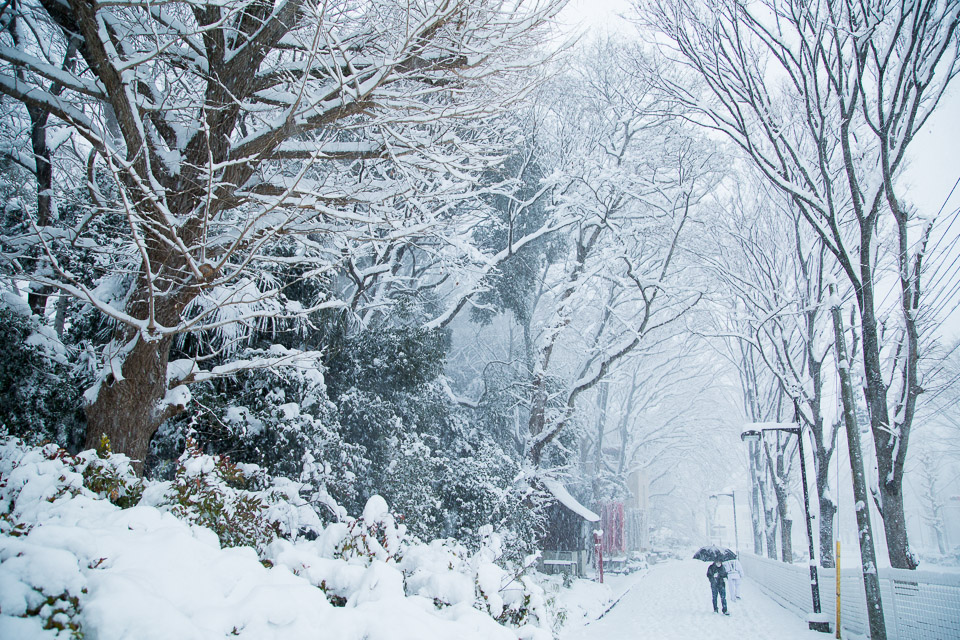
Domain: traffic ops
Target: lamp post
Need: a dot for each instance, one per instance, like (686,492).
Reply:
(736,535)
(753,434)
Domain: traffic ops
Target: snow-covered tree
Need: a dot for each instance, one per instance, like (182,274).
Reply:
(824,98)
(219,143)
(633,179)
(641,422)
(774,271)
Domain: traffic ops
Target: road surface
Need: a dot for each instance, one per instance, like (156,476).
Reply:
(672,602)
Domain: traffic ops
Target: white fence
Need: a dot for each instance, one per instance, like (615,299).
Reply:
(917,605)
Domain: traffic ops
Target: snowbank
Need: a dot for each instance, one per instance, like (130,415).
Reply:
(72,561)
(580,603)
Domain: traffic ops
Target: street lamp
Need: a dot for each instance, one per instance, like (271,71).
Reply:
(754,434)
(736,536)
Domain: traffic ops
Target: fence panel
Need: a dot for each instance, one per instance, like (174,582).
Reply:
(918,605)
(928,604)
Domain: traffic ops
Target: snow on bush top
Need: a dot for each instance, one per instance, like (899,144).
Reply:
(73,563)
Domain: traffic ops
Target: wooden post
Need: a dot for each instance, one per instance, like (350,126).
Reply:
(837,568)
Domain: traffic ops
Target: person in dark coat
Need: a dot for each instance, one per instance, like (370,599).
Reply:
(716,574)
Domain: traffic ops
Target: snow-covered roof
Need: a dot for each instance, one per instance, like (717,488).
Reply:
(563,496)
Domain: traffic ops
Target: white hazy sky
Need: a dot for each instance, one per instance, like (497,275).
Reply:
(934,154)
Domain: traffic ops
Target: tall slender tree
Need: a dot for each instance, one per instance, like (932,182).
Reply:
(824,97)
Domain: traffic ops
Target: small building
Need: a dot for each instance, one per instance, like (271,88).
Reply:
(567,541)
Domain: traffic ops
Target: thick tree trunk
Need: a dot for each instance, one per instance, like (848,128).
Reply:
(780,475)
(786,539)
(827,512)
(130,404)
(868,556)
(890,449)
(822,447)
(895,528)
(771,522)
(827,507)
(129,411)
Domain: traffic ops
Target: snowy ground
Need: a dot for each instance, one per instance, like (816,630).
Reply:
(672,602)
(72,563)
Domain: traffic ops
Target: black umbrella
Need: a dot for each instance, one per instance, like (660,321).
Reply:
(713,552)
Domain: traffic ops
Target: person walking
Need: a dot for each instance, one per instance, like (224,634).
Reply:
(734,574)
(716,575)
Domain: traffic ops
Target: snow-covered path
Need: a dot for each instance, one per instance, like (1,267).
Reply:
(672,602)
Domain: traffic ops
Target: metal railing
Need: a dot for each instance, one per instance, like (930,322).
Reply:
(917,605)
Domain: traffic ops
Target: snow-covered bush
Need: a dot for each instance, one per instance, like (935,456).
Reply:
(110,476)
(241,503)
(278,419)
(215,493)
(374,536)
(39,590)
(77,556)
(511,597)
(574,602)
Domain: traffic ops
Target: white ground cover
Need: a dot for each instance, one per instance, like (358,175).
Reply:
(70,559)
(672,602)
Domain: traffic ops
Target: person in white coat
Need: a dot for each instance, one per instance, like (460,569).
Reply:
(734,575)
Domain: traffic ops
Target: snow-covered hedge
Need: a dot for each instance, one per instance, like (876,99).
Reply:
(88,549)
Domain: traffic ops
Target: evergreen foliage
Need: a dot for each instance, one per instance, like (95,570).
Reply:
(39,396)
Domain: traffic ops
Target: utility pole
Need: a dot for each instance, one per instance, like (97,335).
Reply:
(868,556)
(754,433)
(814,577)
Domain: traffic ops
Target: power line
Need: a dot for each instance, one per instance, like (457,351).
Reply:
(942,206)
(952,218)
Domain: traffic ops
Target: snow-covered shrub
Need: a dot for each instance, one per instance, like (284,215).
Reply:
(574,602)
(375,535)
(349,561)
(58,613)
(110,476)
(512,597)
(72,561)
(213,492)
(446,572)
(439,571)
(39,588)
(241,503)
(280,420)
(55,472)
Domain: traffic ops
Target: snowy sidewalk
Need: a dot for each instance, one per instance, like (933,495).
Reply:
(672,602)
